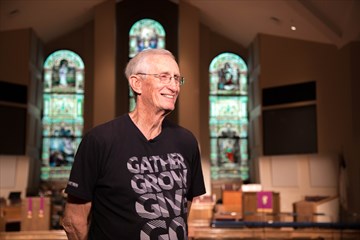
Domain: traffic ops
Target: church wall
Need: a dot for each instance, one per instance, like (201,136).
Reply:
(14,57)
(20,63)
(284,61)
(104,62)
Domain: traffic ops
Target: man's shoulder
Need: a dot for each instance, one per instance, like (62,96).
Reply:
(178,130)
(109,127)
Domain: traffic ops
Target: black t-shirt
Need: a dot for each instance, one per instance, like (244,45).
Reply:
(138,188)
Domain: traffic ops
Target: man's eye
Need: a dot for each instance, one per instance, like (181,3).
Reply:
(176,77)
(164,76)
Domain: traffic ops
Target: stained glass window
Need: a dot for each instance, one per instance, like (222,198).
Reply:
(62,122)
(228,120)
(145,33)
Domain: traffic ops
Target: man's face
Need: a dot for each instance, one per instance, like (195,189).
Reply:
(157,96)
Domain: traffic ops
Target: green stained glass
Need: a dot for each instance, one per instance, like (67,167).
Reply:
(228,117)
(63,73)
(63,103)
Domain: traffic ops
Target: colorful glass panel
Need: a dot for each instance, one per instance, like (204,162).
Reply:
(144,34)
(63,104)
(228,120)
(228,75)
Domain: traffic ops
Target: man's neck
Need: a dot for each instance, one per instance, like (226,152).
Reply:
(148,123)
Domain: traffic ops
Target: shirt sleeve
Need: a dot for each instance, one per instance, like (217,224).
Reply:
(197,186)
(84,172)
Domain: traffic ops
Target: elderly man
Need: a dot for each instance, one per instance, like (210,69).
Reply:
(135,176)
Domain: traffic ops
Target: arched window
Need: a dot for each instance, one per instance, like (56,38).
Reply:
(62,122)
(145,33)
(228,118)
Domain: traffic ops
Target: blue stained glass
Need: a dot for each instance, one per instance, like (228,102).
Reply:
(146,33)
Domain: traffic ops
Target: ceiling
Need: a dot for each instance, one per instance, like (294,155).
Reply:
(327,21)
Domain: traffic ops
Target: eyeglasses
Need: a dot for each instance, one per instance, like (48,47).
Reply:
(165,78)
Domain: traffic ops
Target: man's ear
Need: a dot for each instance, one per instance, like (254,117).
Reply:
(135,83)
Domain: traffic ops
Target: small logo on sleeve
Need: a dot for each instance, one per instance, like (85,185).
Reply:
(73,184)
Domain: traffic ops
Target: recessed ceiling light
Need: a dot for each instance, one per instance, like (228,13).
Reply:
(293,28)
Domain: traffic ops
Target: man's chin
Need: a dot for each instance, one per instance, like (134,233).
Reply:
(167,111)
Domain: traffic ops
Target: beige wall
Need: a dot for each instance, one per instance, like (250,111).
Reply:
(14,173)
(298,176)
